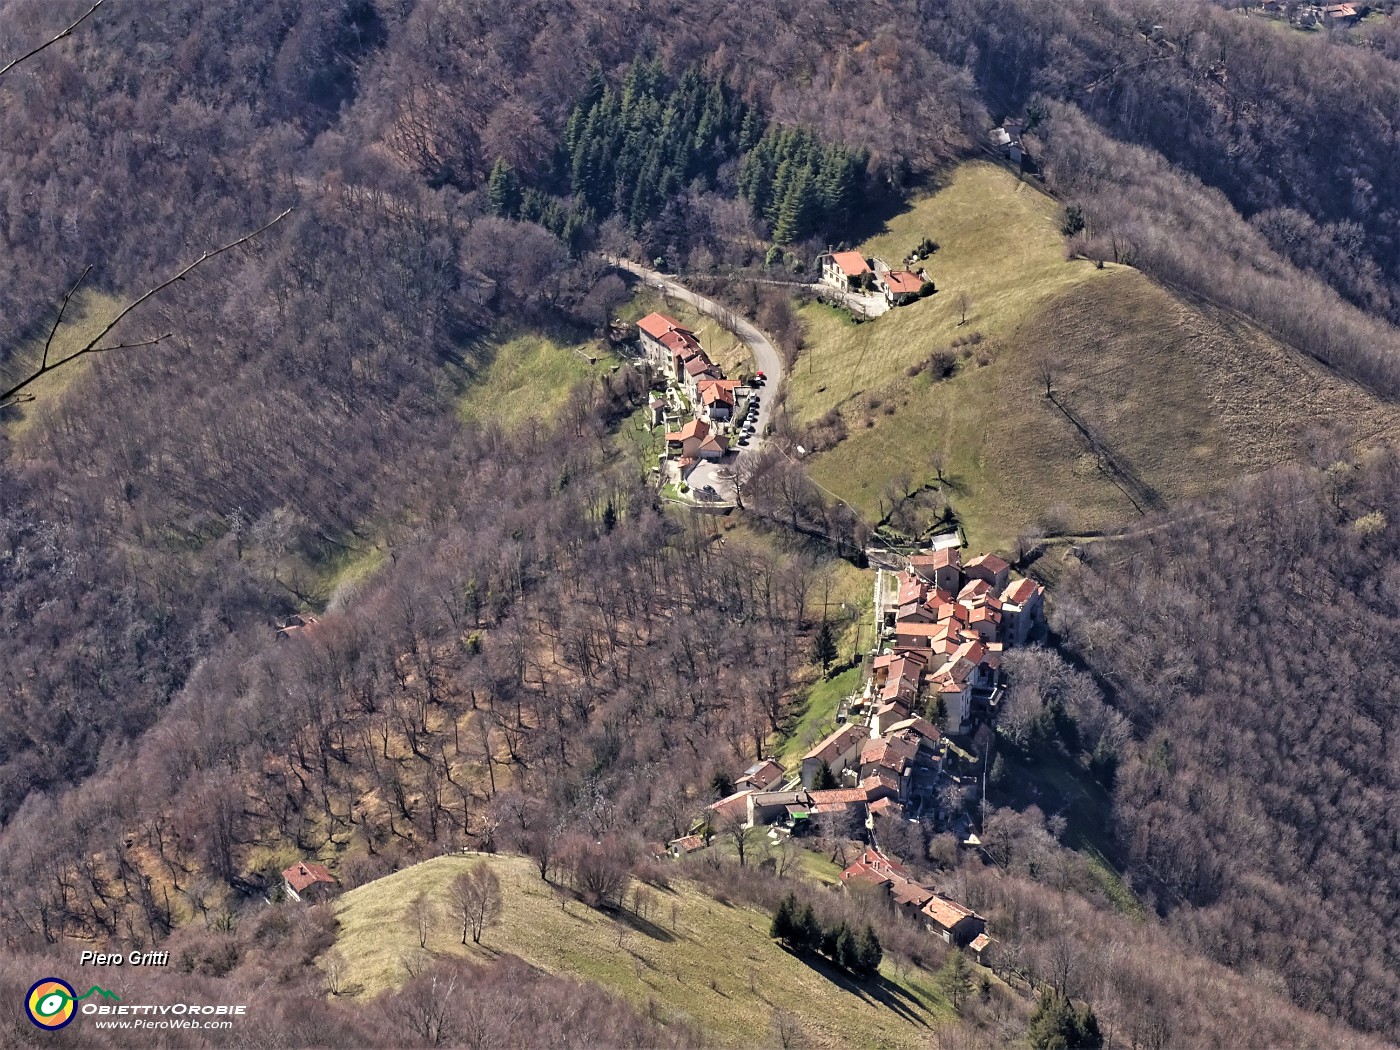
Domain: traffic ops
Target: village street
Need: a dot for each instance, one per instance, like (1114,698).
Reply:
(767,360)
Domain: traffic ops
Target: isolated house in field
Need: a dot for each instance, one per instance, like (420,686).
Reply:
(839,750)
(900,286)
(951,921)
(1008,139)
(846,271)
(662,337)
(308,881)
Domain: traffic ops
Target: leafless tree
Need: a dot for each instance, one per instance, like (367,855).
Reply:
(422,913)
(475,899)
(15,393)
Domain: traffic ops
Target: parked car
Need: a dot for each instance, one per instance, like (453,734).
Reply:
(759,376)
(744,440)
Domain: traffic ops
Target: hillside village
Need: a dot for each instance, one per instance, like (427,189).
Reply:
(944,626)
(707,415)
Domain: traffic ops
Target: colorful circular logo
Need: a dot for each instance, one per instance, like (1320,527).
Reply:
(51,1003)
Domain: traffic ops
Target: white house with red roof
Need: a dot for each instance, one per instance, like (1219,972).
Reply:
(663,337)
(846,271)
(900,286)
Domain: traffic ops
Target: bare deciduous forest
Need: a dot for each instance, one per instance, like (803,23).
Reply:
(539,657)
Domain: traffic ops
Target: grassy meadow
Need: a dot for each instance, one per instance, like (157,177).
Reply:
(700,961)
(1154,399)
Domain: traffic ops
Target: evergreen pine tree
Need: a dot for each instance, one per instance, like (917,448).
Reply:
(1087,1033)
(825,779)
(808,931)
(785,920)
(955,979)
(847,955)
(503,190)
(1056,1025)
(869,953)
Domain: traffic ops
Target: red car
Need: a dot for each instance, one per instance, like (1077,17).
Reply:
(759,376)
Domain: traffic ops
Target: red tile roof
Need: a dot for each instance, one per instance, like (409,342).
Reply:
(763,775)
(947,913)
(1020,591)
(657,325)
(902,282)
(837,744)
(852,264)
(735,805)
(696,428)
(993,563)
(306,873)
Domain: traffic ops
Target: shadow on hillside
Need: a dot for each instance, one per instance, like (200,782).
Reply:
(878,991)
(644,926)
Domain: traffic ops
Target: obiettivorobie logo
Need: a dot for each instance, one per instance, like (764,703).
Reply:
(52,1003)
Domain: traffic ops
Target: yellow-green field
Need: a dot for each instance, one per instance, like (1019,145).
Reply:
(87,314)
(1155,399)
(713,965)
(530,376)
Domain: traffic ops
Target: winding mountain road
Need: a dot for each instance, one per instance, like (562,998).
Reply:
(766,357)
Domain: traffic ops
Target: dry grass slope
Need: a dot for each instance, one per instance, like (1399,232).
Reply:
(1155,399)
(701,962)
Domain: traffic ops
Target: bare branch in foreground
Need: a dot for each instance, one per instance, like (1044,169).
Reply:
(8,397)
(52,41)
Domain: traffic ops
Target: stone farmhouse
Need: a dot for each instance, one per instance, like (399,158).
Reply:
(307,881)
(851,272)
(941,916)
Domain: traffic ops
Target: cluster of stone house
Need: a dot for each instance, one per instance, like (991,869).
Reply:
(853,272)
(946,630)
(676,353)
(1309,15)
(946,918)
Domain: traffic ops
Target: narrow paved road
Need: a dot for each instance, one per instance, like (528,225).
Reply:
(766,357)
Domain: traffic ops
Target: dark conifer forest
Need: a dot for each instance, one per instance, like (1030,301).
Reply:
(536,653)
